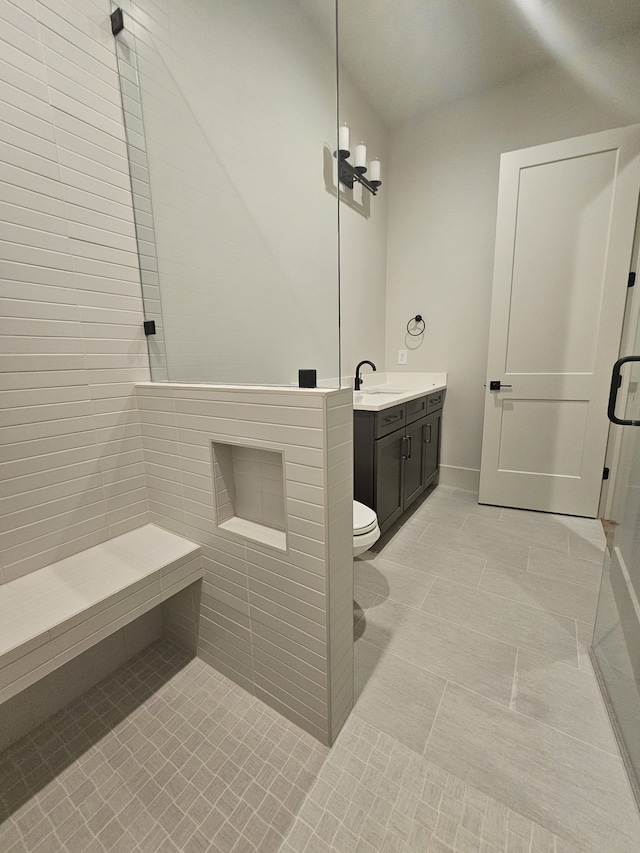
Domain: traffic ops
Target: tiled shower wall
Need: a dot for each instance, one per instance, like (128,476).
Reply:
(72,349)
(264,615)
(71,308)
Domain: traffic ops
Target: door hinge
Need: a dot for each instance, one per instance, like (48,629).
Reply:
(632,279)
(605,474)
(149,327)
(117,21)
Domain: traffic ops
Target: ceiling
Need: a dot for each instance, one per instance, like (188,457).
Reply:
(407,56)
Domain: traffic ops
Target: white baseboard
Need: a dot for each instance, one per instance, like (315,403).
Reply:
(460,478)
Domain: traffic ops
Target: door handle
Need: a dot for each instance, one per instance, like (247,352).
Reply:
(616,382)
(496,385)
(407,447)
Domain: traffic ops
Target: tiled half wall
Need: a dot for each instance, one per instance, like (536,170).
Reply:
(277,620)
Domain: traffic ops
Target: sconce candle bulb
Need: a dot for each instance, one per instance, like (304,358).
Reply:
(343,140)
(374,171)
(360,158)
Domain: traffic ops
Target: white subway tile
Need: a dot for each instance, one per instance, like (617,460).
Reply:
(22,139)
(307,546)
(228,661)
(304,510)
(285,568)
(281,434)
(19,19)
(297,712)
(286,591)
(303,492)
(288,685)
(21,74)
(310,529)
(305,617)
(285,658)
(27,107)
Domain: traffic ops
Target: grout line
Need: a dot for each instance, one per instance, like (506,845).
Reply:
(550,577)
(578,650)
(426,595)
(536,720)
(385,648)
(514,681)
(435,718)
(465,627)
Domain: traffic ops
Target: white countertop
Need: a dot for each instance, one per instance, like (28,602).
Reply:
(381,390)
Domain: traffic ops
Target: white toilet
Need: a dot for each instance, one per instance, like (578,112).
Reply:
(365,528)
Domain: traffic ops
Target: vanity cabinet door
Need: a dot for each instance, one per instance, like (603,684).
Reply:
(415,466)
(432,446)
(388,466)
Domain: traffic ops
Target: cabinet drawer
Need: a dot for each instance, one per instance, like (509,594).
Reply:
(389,420)
(416,409)
(435,401)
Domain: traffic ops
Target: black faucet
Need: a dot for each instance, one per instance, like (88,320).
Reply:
(358,381)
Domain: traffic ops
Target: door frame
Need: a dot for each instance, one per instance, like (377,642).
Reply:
(627,338)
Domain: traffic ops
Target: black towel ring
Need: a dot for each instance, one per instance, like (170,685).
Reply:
(417,319)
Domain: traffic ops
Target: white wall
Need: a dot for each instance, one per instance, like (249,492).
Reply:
(70,305)
(442,206)
(363,241)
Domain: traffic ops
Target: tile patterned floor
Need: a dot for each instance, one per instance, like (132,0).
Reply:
(477,729)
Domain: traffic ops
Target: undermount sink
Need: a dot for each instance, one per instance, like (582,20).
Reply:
(384,391)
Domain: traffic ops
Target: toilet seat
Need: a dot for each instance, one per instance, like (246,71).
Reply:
(364,519)
(365,528)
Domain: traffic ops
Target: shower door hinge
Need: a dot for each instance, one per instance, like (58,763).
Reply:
(117,21)
(149,327)
(605,474)
(632,279)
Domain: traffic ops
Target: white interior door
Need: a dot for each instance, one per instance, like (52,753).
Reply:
(565,228)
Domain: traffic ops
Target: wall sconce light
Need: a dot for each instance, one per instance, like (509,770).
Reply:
(349,173)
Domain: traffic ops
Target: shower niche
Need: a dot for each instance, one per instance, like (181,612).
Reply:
(249,492)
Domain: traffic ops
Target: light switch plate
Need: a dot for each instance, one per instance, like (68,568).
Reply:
(402,356)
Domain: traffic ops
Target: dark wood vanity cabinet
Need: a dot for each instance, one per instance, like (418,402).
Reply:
(396,455)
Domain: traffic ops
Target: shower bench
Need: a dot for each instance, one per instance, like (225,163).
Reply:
(53,614)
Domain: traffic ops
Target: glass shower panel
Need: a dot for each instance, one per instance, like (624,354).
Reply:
(616,641)
(230,110)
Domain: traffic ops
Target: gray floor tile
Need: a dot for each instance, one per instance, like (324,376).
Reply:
(443,648)
(390,580)
(172,756)
(563,697)
(575,601)
(506,620)
(587,549)
(552,537)
(142,734)
(476,545)
(566,786)
(588,528)
(434,558)
(569,569)
(364,598)
(395,696)
(438,512)
(462,500)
